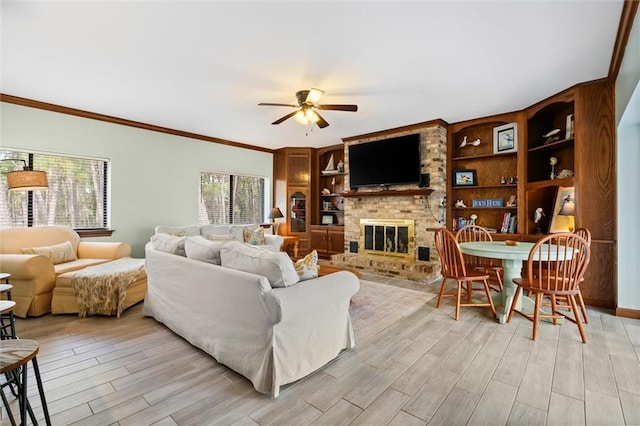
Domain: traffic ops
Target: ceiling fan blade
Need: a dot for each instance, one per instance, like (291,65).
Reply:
(280,120)
(352,108)
(322,123)
(272,104)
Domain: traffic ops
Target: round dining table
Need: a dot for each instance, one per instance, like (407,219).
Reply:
(512,257)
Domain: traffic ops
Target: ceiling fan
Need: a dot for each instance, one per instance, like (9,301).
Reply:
(307,112)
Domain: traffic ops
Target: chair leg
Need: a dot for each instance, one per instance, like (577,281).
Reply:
(572,302)
(487,291)
(583,308)
(536,315)
(516,296)
(554,309)
(458,294)
(444,282)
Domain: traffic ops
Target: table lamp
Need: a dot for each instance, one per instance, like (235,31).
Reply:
(568,209)
(274,215)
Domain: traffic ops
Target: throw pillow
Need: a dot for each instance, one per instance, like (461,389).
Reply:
(199,248)
(58,253)
(307,267)
(276,267)
(169,243)
(255,237)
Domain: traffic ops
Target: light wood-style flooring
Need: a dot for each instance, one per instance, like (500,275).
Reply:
(426,368)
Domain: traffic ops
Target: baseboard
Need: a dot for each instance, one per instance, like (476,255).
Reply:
(628,313)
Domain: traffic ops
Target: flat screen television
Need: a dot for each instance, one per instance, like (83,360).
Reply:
(391,161)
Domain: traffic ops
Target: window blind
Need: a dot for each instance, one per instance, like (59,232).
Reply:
(226,198)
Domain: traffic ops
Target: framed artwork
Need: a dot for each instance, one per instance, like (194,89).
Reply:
(505,138)
(465,178)
(562,219)
(327,219)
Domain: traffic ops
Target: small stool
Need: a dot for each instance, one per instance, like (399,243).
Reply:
(7,320)
(15,355)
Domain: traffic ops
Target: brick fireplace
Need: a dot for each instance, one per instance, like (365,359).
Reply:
(423,212)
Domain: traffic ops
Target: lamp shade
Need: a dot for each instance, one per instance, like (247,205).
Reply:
(27,180)
(275,213)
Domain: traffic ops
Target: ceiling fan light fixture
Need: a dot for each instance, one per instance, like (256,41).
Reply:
(301,117)
(311,115)
(314,96)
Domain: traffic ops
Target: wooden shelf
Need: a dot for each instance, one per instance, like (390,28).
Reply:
(389,193)
(552,145)
(485,208)
(506,185)
(476,157)
(567,182)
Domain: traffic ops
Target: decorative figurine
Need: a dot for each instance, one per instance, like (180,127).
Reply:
(565,173)
(465,143)
(340,166)
(512,201)
(460,204)
(553,161)
(472,219)
(513,180)
(326,191)
(503,180)
(552,136)
(537,218)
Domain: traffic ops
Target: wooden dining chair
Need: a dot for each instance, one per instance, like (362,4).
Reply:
(586,234)
(453,267)
(492,267)
(555,267)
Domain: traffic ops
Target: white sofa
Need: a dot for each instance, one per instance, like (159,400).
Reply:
(272,336)
(273,242)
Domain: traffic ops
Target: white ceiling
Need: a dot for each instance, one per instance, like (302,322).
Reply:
(203,66)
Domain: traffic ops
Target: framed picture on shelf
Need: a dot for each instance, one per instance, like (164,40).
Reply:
(505,138)
(562,219)
(327,219)
(465,178)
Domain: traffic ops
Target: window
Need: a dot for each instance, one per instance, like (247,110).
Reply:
(226,198)
(77,194)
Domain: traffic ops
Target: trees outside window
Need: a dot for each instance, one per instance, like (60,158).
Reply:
(227,198)
(76,197)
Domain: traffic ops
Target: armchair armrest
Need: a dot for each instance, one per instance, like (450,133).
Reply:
(103,250)
(274,240)
(28,267)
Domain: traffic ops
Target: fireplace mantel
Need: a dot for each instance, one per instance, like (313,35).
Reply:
(388,193)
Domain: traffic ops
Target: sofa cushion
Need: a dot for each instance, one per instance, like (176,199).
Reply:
(169,243)
(76,265)
(58,253)
(307,267)
(254,237)
(210,230)
(179,231)
(220,238)
(200,248)
(275,266)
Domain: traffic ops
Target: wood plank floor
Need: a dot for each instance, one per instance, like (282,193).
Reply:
(426,368)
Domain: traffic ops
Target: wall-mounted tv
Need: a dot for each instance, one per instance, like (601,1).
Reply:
(391,161)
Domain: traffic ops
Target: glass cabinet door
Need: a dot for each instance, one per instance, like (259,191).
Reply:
(298,205)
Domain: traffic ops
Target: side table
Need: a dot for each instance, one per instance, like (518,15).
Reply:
(7,329)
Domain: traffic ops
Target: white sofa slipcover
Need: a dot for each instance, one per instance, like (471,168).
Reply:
(272,242)
(270,336)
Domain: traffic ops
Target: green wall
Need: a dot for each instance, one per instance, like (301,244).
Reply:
(154,176)
(628,175)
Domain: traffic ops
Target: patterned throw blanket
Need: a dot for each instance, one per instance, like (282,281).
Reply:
(101,289)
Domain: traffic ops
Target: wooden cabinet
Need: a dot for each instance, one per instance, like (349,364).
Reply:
(292,189)
(574,130)
(484,181)
(330,185)
(587,150)
(327,240)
